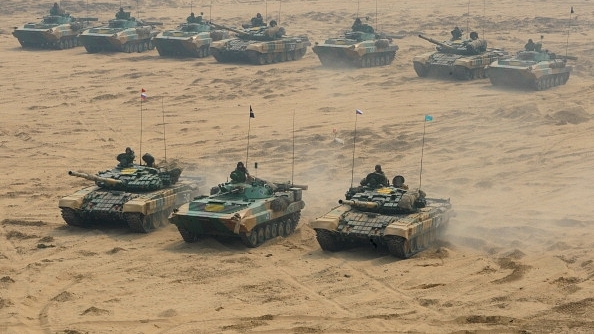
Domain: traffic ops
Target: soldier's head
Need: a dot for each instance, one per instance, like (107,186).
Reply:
(128,150)
(530,41)
(273,23)
(357,21)
(192,14)
(259,15)
(240,165)
(378,168)
(55,5)
(121,9)
(474,35)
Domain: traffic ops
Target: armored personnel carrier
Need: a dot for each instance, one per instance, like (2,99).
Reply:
(403,220)
(191,39)
(58,31)
(360,47)
(535,69)
(462,60)
(139,196)
(251,209)
(259,45)
(123,34)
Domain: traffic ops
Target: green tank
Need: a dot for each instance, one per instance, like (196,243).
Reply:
(259,45)
(139,196)
(461,60)
(360,47)
(404,221)
(123,34)
(252,210)
(53,32)
(188,40)
(538,70)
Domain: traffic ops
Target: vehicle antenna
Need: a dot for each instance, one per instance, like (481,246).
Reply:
(484,18)
(164,138)
(358,8)
(192,6)
(427,118)
(293,160)
(247,151)
(266,10)
(376,26)
(568,31)
(279,11)
(357,113)
(468,19)
(142,96)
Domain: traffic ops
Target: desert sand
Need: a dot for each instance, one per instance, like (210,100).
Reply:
(516,165)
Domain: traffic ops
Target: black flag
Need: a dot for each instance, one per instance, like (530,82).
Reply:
(252,113)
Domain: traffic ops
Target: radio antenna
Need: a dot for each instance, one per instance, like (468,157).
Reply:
(279,11)
(293,160)
(357,113)
(568,31)
(164,137)
(427,119)
(468,19)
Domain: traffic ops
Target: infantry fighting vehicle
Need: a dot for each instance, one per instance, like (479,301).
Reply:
(259,45)
(123,34)
(360,47)
(253,210)
(537,69)
(53,32)
(188,40)
(462,60)
(139,196)
(403,220)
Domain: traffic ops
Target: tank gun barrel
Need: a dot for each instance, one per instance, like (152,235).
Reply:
(286,186)
(237,31)
(96,178)
(431,40)
(87,19)
(359,204)
(566,57)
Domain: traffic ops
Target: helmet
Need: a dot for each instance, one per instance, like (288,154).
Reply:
(473,35)
(273,23)
(240,164)
(378,168)
(258,15)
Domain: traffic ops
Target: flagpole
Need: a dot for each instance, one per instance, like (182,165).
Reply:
(568,31)
(247,151)
(422,149)
(354,141)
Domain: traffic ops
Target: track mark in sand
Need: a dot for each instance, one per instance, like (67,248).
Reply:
(518,270)
(584,307)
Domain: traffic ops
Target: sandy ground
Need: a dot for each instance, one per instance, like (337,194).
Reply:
(517,166)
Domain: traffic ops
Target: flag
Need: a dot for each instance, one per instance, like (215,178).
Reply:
(572,10)
(143,94)
(358,112)
(252,113)
(428,118)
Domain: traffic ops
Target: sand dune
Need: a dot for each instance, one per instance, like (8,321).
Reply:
(516,165)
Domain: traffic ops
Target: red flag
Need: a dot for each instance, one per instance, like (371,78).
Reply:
(143,94)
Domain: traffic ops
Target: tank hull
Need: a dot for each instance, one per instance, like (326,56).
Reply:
(169,44)
(455,66)
(252,220)
(129,40)
(345,52)
(142,212)
(534,76)
(403,233)
(259,52)
(58,37)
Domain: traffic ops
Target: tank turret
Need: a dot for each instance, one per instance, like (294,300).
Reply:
(438,43)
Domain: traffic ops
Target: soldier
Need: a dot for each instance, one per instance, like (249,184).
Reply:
(474,36)
(456,34)
(127,158)
(240,174)
(121,14)
(56,10)
(398,182)
(362,27)
(194,19)
(530,46)
(377,179)
(258,21)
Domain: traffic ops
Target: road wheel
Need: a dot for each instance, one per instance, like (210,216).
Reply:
(328,240)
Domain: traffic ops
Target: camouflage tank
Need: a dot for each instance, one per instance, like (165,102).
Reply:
(259,45)
(123,34)
(139,196)
(190,39)
(360,47)
(403,220)
(253,210)
(462,60)
(53,32)
(535,69)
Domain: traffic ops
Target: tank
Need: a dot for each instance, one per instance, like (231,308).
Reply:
(139,196)
(404,221)
(188,40)
(360,47)
(254,211)
(122,34)
(461,60)
(537,69)
(53,32)
(259,46)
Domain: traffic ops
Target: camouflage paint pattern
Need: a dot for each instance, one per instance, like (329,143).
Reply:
(188,40)
(122,35)
(356,49)
(530,69)
(53,32)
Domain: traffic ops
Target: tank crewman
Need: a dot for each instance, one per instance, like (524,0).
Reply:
(376,179)
(530,46)
(456,34)
(56,10)
(360,26)
(398,182)
(126,159)
(258,21)
(240,174)
(194,19)
(474,36)
(121,15)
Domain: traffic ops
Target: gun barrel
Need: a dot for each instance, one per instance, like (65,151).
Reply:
(359,204)
(431,40)
(96,178)
(227,28)
(568,57)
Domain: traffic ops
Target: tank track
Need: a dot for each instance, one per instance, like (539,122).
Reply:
(458,72)
(283,226)
(140,223)
(550,81)
(257,58)
(377,59)
(72,218)
(128,47)
(68,42)
(201,52)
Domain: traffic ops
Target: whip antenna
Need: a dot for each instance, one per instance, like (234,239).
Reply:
(164,138)
(568,30)
(427,119)
(293,161)
(247,151)
(357,113)
(468,18)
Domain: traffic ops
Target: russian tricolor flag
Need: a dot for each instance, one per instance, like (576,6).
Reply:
(143,94)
